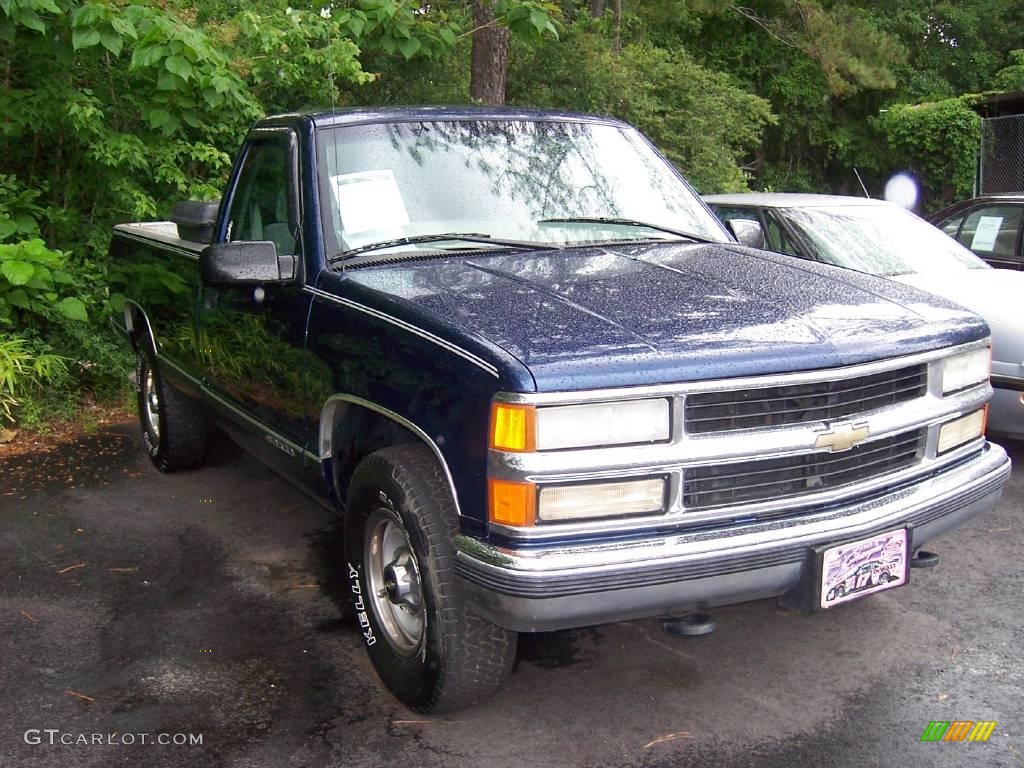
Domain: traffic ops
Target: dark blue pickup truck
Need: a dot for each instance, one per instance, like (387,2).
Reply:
(543,385)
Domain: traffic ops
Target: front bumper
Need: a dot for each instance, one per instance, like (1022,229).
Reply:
(559,587)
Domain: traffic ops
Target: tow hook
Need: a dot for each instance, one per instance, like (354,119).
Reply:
(923,559)
(690,625)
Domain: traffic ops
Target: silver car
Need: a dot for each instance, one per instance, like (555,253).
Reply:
(883,239)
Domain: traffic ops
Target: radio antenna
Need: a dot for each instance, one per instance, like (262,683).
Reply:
(857,174)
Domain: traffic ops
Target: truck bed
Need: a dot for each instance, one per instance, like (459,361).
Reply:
(163,232)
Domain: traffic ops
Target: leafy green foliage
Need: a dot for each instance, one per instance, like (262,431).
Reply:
(829,69)
(806,61)
(23,370)
(115,109)
(32,279)
(98,362)
(699,118)
(529,20)
(18,210)
(954,46)
(937,143)
(844,40)
(1011,78)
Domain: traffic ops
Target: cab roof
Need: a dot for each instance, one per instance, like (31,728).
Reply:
(790,200)
(370,115)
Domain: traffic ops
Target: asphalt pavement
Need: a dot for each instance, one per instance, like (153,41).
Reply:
(137,607)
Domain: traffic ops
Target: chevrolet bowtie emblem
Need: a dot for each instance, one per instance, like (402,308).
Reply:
(842,436)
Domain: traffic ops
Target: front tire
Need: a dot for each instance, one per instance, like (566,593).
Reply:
(174,428)
(431,651)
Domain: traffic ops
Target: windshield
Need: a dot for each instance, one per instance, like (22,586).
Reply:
(880,240)
(502,179)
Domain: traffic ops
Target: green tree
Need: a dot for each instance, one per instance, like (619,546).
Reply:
(701,119)
(823,67)
(1011,78)
(937,142)
(113,110)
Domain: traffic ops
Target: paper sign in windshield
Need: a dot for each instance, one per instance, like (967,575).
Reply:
(369,200)
(985,234)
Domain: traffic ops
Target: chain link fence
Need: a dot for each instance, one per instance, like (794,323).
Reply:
(1001,159)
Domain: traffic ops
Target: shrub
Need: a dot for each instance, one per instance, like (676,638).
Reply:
(32,279)
(23,371)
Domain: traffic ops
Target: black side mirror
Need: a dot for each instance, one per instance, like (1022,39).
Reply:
(747,232)
(245,262)
(196,220)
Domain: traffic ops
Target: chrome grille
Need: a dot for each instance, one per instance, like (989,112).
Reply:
(802,403)
(748,482)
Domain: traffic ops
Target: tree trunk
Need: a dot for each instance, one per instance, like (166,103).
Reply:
(490,55)
(596,9)
(617,15)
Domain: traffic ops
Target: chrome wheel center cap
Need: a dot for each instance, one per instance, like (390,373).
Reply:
(400,582)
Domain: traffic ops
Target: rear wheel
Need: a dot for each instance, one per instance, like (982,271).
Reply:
(432,652)
(173,427)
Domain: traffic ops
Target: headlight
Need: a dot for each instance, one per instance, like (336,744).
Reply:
(629,422)
(585,426)
(962,430)
(966,369)
(560,503)
(522,505)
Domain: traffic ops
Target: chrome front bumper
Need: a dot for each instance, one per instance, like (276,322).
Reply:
(545,588)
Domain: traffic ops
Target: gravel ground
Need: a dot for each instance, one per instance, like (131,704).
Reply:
(136,604)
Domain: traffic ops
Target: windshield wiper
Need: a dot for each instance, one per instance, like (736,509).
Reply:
(467,237)
(626,223)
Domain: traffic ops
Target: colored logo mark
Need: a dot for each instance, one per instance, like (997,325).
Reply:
(958,730)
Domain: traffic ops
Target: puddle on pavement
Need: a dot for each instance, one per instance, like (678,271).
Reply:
(553,650)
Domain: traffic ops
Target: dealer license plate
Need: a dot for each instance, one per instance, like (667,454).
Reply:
(860,568)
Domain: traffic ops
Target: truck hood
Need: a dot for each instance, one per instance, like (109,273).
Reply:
(995,294)
(585,318)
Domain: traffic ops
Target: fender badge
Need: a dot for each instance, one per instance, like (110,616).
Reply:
(281,445)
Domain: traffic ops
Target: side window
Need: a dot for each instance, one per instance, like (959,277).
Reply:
(726,214)
(776,236)
(952,225)
(992,230)
(259,208)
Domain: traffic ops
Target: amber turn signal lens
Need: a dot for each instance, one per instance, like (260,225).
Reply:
(512,503)
(513,427)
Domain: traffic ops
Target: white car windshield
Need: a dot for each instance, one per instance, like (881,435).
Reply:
(880,240)
(517,180)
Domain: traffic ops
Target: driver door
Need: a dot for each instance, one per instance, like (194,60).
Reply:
(252,338)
